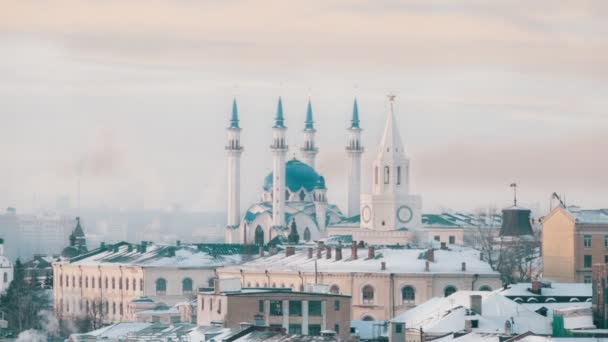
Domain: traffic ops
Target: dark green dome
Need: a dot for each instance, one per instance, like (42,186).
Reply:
(299,175)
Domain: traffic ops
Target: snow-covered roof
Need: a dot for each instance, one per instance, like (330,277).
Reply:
(452,219)
(449,314)
(403,260)
(555,290)
(190,256)
(589,216)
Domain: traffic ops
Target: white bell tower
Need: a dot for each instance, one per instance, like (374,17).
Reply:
(390,206)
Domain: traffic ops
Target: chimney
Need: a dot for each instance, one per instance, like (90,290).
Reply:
(464,266)
(444,246)
(338,253)
(328,252)
(468,326)
(383,266)
(216,285)
(426,266)
(430,255)
(371,252)
(354,249)
(475,304)
(309,252)
(273,251)
(536,287)
(481,256)
(290,250)
(319,252)
(261,251)
(508,328)
(179,242)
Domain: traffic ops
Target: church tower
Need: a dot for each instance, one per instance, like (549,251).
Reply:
(309,150)
(279,152)
(390,206)
(234,150)
(354,150)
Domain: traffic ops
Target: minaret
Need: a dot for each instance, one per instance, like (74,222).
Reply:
(309,150)
(279,152)
(354,151)
(234,150)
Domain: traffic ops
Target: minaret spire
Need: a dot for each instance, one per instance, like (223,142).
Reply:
(233,152)
(309,150)
(279,152)
(354,150)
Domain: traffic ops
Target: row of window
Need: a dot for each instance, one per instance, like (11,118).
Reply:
(587,240)
(387,174)
(313,329)
(451,241)
(210,306)
(187,286)
(588,260)
(94,308)
(408,293)
(107,283)
(295,307)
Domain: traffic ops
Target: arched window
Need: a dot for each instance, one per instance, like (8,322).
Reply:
(335,289)
(518,300)
(211,282)
(287,195)
(449,290)
(259,236)
(306,234)
(368,318)
(161,287)
(134,284)
(367,294)
(532,300)
(550,300)
(485,288)
(302,196)
(572,300)
(387,173)
(187,286)
(408,294)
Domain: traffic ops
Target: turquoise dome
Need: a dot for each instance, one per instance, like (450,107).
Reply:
(299,175)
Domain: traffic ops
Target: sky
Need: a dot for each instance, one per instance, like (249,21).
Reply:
(132,97)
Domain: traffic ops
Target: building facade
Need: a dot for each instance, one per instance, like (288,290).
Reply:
(573,240)
(382,283)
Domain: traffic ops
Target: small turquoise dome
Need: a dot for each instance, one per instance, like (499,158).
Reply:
(299,175)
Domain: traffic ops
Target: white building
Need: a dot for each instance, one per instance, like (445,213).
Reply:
(6,269)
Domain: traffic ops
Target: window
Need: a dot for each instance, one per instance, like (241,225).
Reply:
(368,294)
(398,175)
(86,282)
(452,240)
(219,306)
(276,308)
(295,329)
(437,238)
(141,284)
(306,234)
(387,173)
(113,308)
(588,261)
(368,318)
(587,279)
(127,284)
(259,236)
(210,304)
(187,286)
(161,287)
(605,259)
(295,308)
(398,328)
(449,290)
(587,241)
(335,289)
(261,306)
(314,308)
(408,294)
(202,303)
(314,330)
(302,196)
(606,241)
(337,305)
(485,288)
(5,277)
(134,283)
(337,328)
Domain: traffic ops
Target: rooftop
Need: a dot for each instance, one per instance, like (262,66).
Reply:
(400,260)
(254,291)
(191,256)
(552,290)
(589,216)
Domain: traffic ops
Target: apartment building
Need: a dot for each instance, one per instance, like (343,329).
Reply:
(574,239)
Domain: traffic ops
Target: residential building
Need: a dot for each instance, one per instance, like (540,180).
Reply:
(574,239)
(383,282)
(105,281)
(297,312)
(39,271)
(6,269)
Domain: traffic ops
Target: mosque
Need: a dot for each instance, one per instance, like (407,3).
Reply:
(295,192)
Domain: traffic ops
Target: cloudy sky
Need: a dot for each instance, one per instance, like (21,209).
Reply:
(134,96)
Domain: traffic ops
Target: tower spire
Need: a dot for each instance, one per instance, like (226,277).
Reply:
(354,122)
(234,120)
(309,123)
(309,150)
(279,120)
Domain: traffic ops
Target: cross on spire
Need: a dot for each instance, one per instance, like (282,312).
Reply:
(514,186)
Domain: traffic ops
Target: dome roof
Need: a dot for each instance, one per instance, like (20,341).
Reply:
(299,175)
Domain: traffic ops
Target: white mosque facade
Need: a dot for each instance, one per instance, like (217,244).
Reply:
(296,192)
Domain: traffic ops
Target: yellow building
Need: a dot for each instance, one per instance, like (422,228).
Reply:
(572,241)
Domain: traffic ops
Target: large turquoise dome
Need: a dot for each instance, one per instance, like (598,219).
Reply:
(299,175)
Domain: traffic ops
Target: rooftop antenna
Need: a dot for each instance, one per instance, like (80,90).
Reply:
(514,186)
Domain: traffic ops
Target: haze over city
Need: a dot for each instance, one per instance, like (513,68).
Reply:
(136,98)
